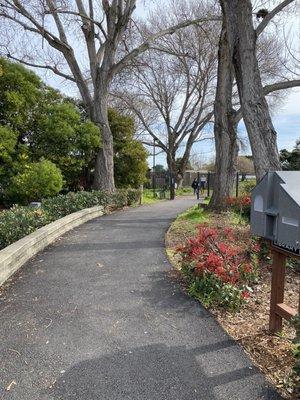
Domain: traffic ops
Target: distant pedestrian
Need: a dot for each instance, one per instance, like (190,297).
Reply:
(195,186)
(202,183)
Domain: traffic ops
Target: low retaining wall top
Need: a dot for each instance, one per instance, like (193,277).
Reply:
(15,255)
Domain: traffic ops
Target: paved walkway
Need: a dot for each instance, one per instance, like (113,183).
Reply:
(96,316)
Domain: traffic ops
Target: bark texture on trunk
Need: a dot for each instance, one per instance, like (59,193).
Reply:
(182,166)
(179,181)
(242,47)
(172,170)
(225,131)
(104,166)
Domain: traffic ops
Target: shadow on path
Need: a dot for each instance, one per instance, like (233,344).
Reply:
(153,372)
(100,305)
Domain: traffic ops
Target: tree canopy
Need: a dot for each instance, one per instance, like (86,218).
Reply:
(290,160)
(37,122)
(130,156)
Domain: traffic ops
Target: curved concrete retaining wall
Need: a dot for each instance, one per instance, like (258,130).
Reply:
(15,255)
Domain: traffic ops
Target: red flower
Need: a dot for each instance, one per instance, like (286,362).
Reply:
(245,294)
(213,261)
(197,251)
(256,247)
(200,267)
(220,271)
(222,247)
(246,201)
(247,268)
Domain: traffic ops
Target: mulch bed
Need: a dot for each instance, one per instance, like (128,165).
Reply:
(271,353)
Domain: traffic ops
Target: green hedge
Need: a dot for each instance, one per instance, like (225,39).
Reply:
(18,221)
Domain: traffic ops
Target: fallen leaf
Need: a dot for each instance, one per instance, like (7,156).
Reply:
(12,383)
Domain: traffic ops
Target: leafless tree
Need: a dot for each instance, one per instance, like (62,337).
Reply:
(171,91)
(227,116)
(84,42)
(242,38)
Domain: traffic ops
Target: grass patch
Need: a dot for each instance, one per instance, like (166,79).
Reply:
(237,219)
(150,197)
(186,191)
(149,200)
(194,214)
(185,225)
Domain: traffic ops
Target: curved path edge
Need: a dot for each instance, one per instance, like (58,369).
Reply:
(98,315)
(18,253)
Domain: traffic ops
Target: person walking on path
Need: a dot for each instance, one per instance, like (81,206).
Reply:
(195,186)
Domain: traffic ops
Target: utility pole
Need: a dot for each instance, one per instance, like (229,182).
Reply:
(153,168)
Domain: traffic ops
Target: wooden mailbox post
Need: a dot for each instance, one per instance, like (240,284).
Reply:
(275,216)
(278,309)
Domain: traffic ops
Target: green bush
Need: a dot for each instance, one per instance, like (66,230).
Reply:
(118,199)
(41,179)
(20,221)
(211,292)
(247,186)
(63,205)
(133,196)
(103,198)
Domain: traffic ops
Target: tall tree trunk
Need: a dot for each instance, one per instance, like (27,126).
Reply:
(182,167)
(172,170)
(104,165)
(179,180)
(242,47)
(225,131)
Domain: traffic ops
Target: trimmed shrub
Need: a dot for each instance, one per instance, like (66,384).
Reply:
(20,221)
(41,179)
(62,205)
(133,196)
(118,199)
(103,198)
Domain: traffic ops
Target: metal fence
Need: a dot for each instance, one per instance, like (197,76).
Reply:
(163,180)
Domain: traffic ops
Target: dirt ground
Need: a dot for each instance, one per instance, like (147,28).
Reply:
(271,353)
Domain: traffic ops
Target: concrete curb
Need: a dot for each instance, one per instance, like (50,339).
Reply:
(15,255)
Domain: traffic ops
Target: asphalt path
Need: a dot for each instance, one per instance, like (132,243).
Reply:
(97,316)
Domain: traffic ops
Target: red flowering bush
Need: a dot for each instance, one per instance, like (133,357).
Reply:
(219,271)
(241,205)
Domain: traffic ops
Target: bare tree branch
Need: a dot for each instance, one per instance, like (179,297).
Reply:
(271,15)
(51,68)
(270,89)
(146,45)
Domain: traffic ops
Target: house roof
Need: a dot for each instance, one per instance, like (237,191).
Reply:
(291,184)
